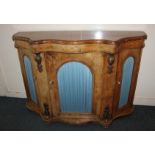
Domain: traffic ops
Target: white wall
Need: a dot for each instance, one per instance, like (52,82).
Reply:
(11,83)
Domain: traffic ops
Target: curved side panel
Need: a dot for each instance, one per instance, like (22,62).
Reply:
(126,81)
(29,75)
(75,87)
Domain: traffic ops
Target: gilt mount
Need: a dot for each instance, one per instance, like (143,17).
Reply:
(38,60)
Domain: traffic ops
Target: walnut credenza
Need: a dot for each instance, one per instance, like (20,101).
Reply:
(80,76)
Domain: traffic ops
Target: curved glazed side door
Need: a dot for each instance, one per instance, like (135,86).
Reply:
(28,73)
(127,73)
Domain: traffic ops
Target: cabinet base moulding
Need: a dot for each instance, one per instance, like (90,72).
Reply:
(78,118)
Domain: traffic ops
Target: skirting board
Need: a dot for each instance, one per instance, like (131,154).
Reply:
(137,101)
(16,94)
(144,101)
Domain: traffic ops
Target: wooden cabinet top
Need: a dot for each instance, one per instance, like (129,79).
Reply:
(79,37)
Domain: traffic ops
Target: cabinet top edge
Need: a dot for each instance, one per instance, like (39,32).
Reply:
(78,37)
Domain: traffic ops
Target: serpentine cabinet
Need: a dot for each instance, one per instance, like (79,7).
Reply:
(80,76)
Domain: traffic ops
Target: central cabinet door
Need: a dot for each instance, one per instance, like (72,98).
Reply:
(75,87)
(75,83)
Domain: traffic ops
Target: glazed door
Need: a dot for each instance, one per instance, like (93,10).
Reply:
(75,87)
(75,84)
(127,72)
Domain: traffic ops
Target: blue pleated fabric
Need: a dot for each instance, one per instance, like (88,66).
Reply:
(75,87)
(126,81)
(29,75)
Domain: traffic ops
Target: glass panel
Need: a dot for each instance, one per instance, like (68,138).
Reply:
(126,81)
(29,75)
(75,87)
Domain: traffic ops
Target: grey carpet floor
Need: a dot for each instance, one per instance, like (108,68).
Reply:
(15,117)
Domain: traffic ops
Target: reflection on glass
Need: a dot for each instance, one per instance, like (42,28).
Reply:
(29,75)
(75,87)
(126,81)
